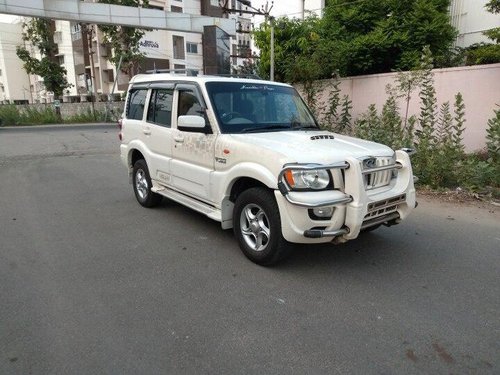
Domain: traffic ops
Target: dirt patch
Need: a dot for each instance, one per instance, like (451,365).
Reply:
(461,197)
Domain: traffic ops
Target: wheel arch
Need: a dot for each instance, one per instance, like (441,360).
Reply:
(237,186)
(243,183)
(135,155)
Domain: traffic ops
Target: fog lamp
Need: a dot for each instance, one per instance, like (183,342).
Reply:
(323,212)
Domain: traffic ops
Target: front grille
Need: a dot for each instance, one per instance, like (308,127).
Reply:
(378,179)
(384,207)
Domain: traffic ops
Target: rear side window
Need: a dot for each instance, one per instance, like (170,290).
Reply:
(136,103)
(160,107)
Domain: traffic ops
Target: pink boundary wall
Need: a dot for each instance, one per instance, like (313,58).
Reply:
(479,85)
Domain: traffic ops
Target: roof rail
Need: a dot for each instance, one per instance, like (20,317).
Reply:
(188,72)
(248,76)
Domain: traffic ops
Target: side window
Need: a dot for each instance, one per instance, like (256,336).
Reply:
(189,104)
(135,108)
(160,107)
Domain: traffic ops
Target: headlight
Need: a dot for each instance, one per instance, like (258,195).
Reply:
(316,179)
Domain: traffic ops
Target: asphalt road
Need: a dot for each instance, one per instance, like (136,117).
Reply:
(92,283)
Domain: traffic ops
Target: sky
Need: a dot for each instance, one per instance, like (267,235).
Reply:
(290,8)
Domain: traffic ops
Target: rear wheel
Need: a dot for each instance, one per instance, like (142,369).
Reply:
(257,227)
(142,185)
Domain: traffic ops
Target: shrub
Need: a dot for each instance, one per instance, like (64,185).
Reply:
(86,117)
(9,115)
(34,116)
(437,134)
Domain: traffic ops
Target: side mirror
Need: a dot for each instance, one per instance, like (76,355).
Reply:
(190,122)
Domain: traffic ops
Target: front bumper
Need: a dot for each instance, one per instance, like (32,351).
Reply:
(355,207)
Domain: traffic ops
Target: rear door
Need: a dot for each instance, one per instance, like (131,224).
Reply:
(159,131)
(134,115)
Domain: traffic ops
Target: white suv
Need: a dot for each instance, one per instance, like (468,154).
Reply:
(249,154)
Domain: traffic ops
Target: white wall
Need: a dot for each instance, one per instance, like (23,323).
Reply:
(479,86)
(15,80)
(66,49)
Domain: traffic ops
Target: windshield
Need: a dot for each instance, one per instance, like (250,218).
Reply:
(242,107)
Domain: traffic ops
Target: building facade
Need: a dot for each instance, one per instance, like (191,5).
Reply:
(15,86)
(83,52)
(471,19)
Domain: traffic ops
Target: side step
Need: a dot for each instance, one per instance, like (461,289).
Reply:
(201,207)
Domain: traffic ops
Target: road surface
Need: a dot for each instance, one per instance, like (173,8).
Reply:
(92,283)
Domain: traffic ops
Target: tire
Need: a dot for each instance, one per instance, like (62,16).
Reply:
(257,227)
(142,185)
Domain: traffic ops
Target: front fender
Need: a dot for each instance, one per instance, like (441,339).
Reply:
(223,181)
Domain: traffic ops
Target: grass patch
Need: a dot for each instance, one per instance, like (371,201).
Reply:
(12,115)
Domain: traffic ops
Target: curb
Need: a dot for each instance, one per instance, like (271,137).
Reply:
(103,125)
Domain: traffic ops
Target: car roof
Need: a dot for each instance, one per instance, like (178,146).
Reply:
(159,77)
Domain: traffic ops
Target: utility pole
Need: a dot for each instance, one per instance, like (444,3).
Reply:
(265,11)
(88,33)
(271,74)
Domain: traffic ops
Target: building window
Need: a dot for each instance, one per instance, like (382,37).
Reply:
(175,9)
(75,28)
(191,47)
(179,67)
(178,42)
(155,7)
(109,75)
(60,59)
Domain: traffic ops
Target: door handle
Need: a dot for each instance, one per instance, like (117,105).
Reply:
(146,130)
(179,139)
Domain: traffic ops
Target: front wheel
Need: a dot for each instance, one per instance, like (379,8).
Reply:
(142,185)
(257,227)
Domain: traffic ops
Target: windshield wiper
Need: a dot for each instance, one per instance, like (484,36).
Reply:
(269,127)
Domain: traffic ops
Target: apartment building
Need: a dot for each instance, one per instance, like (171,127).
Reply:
(83,52)
(165,49)
(14,81)
(241,44)
(471,19)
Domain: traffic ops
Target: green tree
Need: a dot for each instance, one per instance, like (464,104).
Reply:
(40,33)
(493,6)
(295,46)
(358,37)
(384,35)
(124,40)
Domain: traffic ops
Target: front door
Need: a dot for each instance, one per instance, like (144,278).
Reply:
(193,149)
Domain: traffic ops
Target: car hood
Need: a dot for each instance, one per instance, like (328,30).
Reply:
(314,146)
